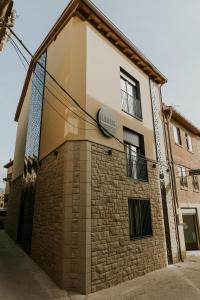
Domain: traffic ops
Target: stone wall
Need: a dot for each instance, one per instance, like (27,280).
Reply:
(116,258)
(47,236)
(61,228)
(14,208)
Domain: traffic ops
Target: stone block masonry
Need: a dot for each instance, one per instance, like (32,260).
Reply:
(80,227)
(61,229)
(116,258)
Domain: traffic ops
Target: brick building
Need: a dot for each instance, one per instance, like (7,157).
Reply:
(183,143)
(85,205)
(8,180)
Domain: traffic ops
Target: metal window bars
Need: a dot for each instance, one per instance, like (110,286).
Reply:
(137,167)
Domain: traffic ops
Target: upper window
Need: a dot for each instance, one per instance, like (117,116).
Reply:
(188,142)
(183,176)
(130,96)
(136,162)
(177,135)
(140,223)
(195,182)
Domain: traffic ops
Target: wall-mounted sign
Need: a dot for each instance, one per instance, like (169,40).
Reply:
(107,121)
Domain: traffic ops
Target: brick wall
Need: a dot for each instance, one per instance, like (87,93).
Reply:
(188,159)
(14,208)
(116,258)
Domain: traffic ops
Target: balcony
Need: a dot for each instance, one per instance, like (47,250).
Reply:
(137,168)
(131,105)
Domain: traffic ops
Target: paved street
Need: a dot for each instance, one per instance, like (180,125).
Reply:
(22,279)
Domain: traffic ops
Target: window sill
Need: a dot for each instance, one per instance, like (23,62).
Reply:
(141,238)
(138,180)
(133,116)
(184,188)
(190,151)
(179,145)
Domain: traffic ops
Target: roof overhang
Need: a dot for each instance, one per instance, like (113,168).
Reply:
(90,13)
(180,119)
(8,165)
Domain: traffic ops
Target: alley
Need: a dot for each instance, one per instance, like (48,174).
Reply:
(22,279)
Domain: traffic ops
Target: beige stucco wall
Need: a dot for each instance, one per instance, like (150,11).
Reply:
(18,164)
(87,65)
(66,59)
(103,88)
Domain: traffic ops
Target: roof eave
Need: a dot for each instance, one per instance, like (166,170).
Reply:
(88,11)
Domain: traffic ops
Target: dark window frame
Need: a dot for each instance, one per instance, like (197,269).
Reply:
(137,91)
(136,205)
(140,160)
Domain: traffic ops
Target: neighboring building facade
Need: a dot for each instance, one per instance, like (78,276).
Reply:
(183,142)
(8,180)
(7,16)
(85,205)
(2,197)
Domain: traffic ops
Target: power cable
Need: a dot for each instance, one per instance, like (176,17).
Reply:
(79,106)
(16,50)
(72,98)
(19,51)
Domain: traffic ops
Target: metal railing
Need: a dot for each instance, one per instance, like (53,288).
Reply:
(131,105)
(137,168)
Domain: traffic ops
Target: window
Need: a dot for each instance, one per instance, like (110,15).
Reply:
(195,182)
(183,177)
(140,223)
(136,162)
(188,142)
(130,96)
(177,135)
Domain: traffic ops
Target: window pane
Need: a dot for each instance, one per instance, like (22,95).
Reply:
(177,135)
(188,141)
(129,89)
(140,223)
(130,96)
(146,217)
(123,84)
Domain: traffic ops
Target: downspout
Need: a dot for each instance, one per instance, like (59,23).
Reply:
(172,178)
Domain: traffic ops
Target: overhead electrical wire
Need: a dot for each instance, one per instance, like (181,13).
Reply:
(159,162)
(16,50)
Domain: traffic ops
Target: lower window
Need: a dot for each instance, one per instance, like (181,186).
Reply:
(140,222)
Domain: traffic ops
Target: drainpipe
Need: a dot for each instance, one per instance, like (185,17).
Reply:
(172,178)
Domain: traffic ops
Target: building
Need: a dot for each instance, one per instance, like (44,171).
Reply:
(2,200)
(8,180)
(7,15)
(183,144)
(85,201)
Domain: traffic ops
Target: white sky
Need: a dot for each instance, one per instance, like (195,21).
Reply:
(167,32)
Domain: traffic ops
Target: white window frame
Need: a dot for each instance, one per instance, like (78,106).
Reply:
(177,135)
(188,140)
(182,176)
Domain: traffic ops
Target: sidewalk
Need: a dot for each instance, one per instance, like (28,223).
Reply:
(22,279)
(177,282)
